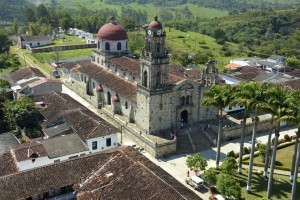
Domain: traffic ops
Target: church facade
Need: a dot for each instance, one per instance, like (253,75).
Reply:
(158,97)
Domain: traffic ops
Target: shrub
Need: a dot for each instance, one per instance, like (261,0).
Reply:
(287,137)
(231,154)
(247,150)
(210,176)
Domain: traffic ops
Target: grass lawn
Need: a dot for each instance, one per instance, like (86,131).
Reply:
(284,157)
(281,188)
(151,9)
(46,56)
(69,40)
(44,67)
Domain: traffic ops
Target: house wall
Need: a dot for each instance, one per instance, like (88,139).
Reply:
(42,161)
(46,88)
(101,143)
(35,43)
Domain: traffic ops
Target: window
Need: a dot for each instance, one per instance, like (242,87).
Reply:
(30,44)
(108,98)
(158,47)
(94,145)
(108,142)
(187,100)
(126,105)
(94,85)
(230,108)
(85,79)
(182,100)
(145,79)
(126,45)
(119,46)
(81,77)
(107,46)
(38,43)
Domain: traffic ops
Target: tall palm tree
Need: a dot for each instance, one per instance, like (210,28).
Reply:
(218,97)
(267,158)
(293,102)
(242,96)
(276,106)
(256,94)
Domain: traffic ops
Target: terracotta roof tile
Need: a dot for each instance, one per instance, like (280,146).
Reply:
(124,174)
(116,83)
(26,73)
(126,64)
(295,73)
(23,152)
(42,81)
(86,123)
(7,164)
(178,72)
(293,84)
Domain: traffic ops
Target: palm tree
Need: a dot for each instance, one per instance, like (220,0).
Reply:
(276,106)
(242,97)
(256,94)
(293,103)
(218,97)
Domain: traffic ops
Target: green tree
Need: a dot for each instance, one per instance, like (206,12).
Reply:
(4,41)
(196,162)
(228,186)
(218,97)
(229,166)
(34,28)
(263,151)
(293,62)
(15,27)
(21,112)
(219,35)
(210,176)
(276,105)
(256,96)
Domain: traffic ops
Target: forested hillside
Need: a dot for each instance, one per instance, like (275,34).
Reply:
(263,31)
(11,9)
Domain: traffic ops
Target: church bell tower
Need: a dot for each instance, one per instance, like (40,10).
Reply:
(154,60)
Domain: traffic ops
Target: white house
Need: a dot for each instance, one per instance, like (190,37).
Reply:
(34,41)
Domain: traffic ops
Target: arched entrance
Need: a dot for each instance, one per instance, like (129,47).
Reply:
(184,117)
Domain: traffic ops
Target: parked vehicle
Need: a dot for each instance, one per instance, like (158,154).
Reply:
(216,197)
(194,181)
(55,74)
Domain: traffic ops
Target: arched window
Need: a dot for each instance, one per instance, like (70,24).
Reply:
(107,46)
(126,105)
(158,47)
(119,46)
(108,98)
(187,100)
(145,79)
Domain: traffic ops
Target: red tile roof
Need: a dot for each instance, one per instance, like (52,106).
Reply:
(23,152)
(129,65)
(293,84)
(42,81)
(106,78)
(119,173)
(86,123)
(8,164)
(26,73)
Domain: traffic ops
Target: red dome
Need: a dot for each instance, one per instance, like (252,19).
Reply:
(155,24)
(99,89)
(115,99)
(112,31)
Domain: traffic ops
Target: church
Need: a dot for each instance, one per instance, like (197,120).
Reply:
(155,96)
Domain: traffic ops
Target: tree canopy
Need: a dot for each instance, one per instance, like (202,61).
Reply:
(196,162)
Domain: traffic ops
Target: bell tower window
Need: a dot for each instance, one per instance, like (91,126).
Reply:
(119,46)
(145,79)
(159,79)
(158,47)
(107,46)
